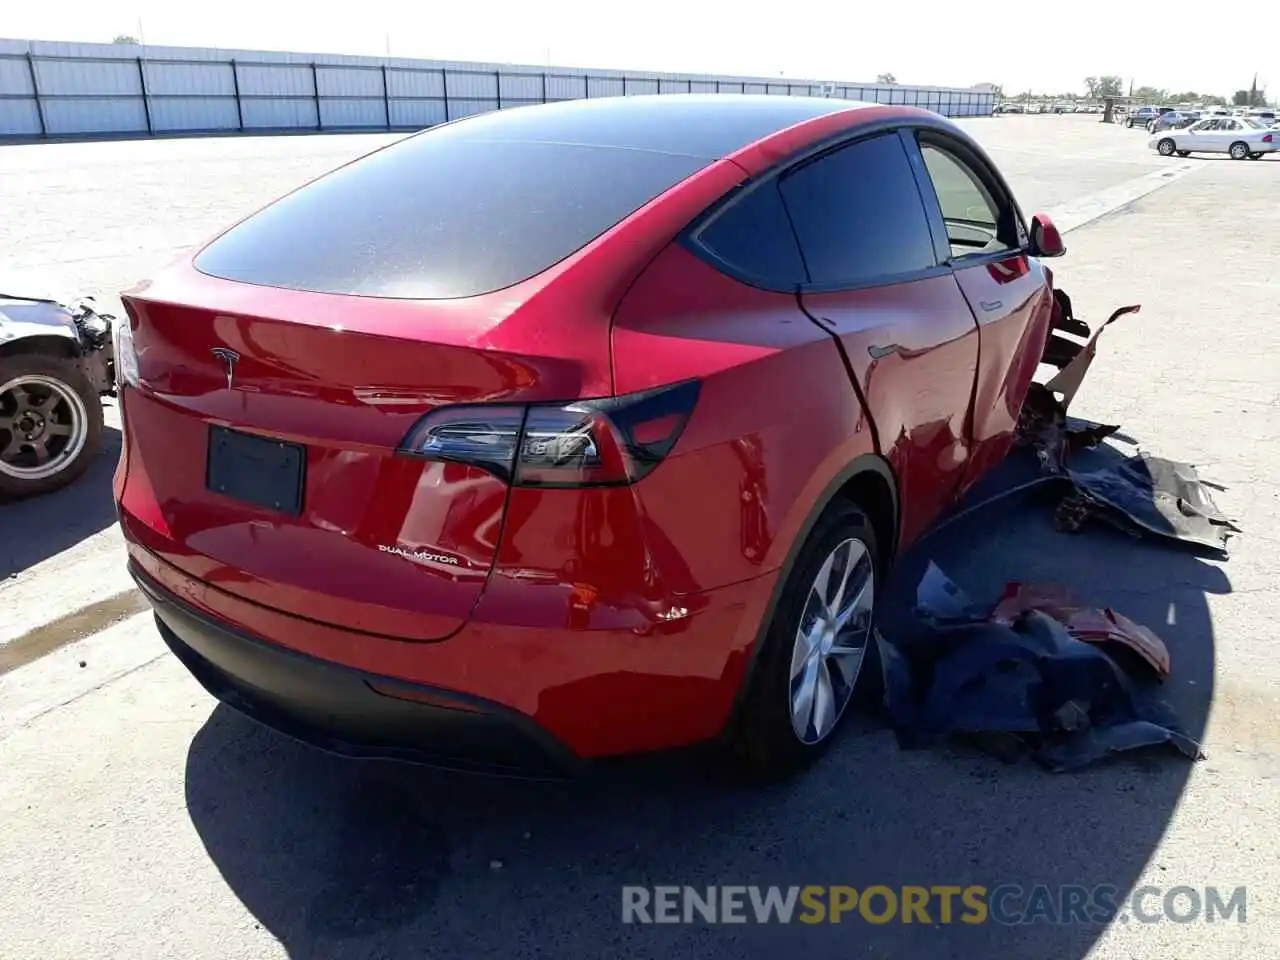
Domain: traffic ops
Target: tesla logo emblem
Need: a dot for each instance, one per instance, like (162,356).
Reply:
(230,358)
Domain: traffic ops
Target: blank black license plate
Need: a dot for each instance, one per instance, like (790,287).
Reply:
(266,473)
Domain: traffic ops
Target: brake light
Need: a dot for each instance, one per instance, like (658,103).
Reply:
(124,354)
(1266,138)
(586,443)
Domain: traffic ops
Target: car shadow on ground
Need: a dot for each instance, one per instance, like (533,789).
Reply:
(37,528)
(353,859)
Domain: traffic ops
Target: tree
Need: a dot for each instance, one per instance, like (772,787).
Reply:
(887,78)
(1099,87)
(1151,94)
(1253,97)
(1249,98)
(124,38)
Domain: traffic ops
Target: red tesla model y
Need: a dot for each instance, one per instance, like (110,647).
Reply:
(575,430)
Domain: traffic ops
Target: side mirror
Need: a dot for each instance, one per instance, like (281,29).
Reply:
(1046,241)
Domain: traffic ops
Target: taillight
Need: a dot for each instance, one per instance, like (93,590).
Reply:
(1266,138)
(586,443)
(124,356)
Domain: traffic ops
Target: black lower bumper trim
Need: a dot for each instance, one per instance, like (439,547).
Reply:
(340,709)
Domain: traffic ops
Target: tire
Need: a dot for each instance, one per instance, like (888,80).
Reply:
(1239,150)
(1255,156)
(1184,153)
(28,382)
(1166,147)
(768,742)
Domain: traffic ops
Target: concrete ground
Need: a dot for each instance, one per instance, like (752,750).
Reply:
(138,819)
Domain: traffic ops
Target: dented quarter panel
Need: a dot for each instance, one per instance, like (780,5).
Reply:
(913,349)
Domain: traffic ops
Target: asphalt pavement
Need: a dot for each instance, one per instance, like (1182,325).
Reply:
(138,819)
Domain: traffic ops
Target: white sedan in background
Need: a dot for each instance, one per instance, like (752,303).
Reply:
(1240,137)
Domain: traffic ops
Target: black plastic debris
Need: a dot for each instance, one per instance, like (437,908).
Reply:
(1020,686)
(1154,495)
(1141,495)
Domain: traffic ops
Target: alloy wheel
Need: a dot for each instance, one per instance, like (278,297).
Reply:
(831,641)
(43,427)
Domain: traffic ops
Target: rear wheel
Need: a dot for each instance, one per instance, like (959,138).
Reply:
(1166,147)
(1239,150)
(819,651)
(50,424)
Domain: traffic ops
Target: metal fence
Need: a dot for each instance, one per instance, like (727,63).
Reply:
(68,90)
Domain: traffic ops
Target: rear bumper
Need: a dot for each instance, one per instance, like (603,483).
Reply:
(351,712)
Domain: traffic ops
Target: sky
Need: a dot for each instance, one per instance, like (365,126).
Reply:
(1047,48)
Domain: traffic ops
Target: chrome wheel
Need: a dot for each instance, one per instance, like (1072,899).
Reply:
(1166,148)
(831,640)
(43,427)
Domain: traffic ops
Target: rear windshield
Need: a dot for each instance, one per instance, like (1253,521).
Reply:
(443,215)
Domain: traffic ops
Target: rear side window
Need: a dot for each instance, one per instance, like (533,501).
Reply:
(858,214)
(754,239)
(443,214)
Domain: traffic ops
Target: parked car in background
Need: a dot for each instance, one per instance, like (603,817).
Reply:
(1239,137)
(1170,120)
(510,477)
(1141,116)
(55,364)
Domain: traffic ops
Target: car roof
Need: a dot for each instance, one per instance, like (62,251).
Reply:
(709,126)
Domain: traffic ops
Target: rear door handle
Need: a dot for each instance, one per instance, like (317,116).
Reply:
(990,305)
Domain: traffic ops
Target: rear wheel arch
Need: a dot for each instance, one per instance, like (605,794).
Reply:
(875,490)
(868,482)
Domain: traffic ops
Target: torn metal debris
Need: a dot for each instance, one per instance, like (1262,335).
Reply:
(1034,674)
(1101,626)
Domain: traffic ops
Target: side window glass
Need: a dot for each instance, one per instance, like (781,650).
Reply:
(858,214)
(754,237)
(972,215)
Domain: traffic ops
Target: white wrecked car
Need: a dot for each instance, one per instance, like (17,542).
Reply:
(55,364)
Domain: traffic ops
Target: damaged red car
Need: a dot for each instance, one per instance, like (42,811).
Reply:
(577,430)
